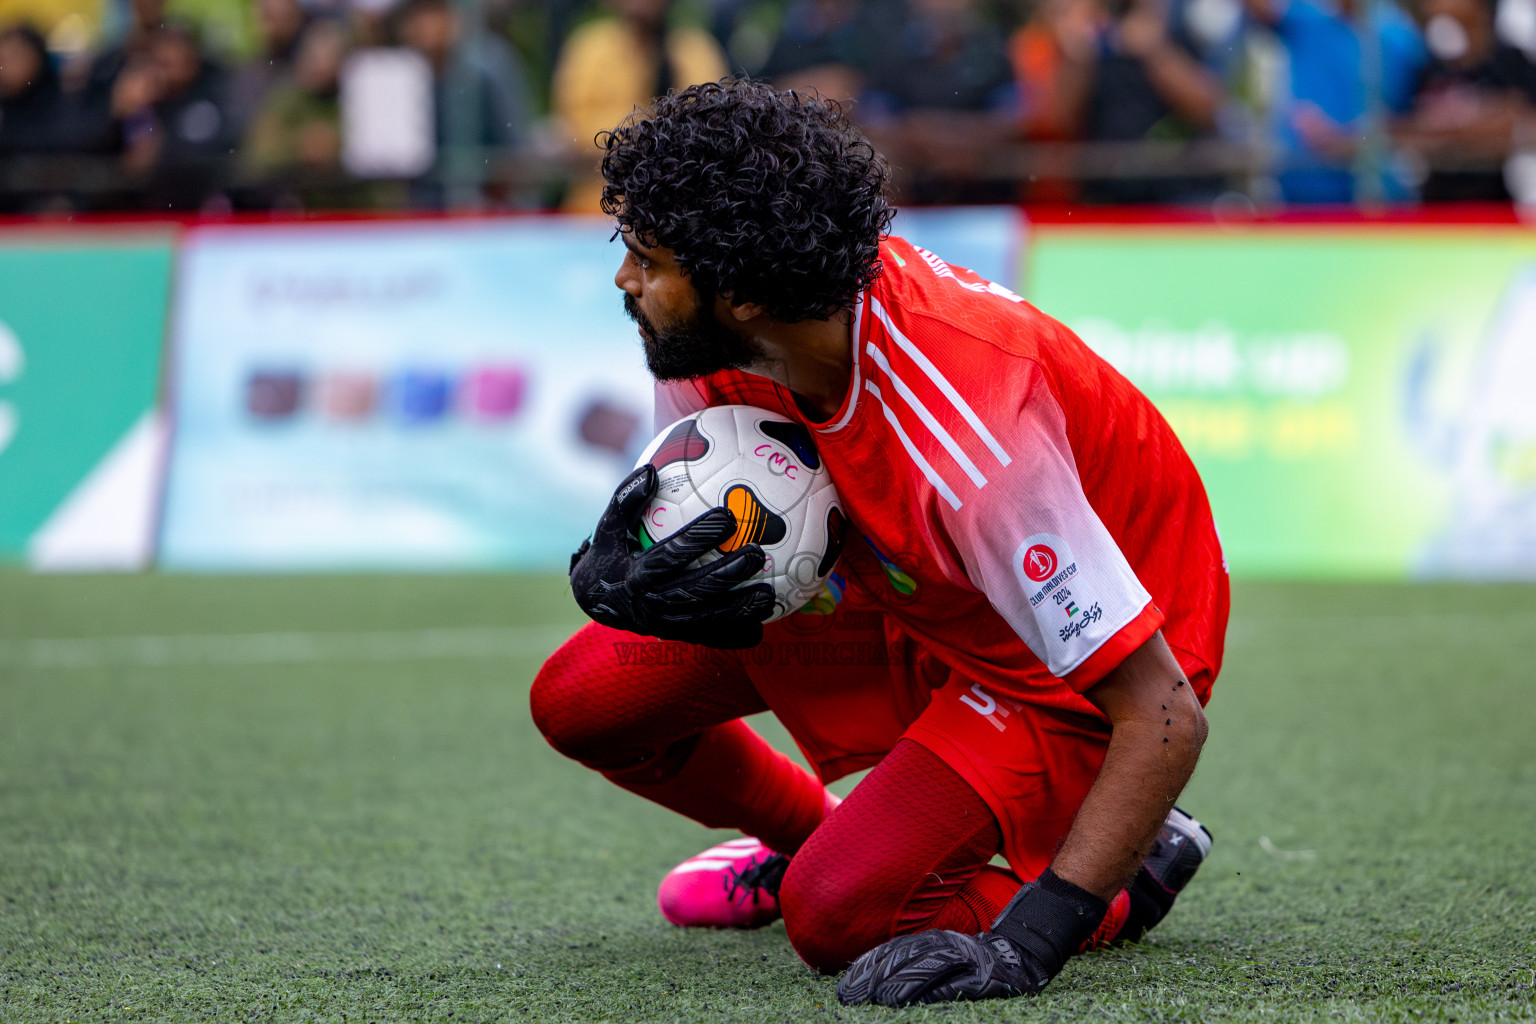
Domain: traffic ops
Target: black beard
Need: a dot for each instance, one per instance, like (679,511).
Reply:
(695,347)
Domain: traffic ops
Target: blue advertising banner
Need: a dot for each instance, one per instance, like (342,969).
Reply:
(986,239)
(446,396)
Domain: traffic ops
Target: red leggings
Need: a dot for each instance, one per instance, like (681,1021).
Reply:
(908,850)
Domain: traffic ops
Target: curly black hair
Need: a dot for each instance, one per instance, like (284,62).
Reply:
(763,196)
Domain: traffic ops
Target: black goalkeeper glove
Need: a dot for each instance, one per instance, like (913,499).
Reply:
(658,592)
(1045,923)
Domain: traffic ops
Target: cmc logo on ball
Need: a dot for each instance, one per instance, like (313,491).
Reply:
(1040,563)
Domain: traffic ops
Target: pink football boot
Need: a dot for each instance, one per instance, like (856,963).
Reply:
(733,885)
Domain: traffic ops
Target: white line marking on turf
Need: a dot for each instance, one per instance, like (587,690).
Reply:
(284,648)
(1268,846)
(470,642)
(1409,629)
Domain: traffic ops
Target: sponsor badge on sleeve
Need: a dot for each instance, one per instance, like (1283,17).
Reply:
(1069,618)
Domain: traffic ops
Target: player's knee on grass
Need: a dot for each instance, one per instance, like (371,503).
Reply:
(571,716)
(908,850)
(615,701)
(554,700)
(832,916)
(577,728)
(578,701)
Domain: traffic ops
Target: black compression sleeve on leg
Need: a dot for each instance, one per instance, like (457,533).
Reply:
(1150,903)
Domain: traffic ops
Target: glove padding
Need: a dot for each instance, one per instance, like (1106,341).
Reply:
(1029,942)
(658,592)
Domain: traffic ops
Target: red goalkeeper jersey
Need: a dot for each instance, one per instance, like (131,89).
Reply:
(1035,515)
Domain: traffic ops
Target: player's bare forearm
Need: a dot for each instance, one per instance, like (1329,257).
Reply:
(1158,730)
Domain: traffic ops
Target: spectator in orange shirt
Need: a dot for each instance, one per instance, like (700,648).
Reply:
(1116,71)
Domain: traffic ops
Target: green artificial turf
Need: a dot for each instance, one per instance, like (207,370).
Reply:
(323,799)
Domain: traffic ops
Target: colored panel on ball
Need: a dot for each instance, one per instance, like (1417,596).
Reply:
(837,533)
(684,443)
(755,524)
(794,437)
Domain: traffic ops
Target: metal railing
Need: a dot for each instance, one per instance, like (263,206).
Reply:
(470,177)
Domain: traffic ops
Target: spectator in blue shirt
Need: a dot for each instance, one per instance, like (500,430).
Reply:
(1321,114)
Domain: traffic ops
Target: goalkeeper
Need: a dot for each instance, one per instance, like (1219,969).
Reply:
(1020,636)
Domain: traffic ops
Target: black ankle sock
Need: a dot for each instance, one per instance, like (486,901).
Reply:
(1150,903)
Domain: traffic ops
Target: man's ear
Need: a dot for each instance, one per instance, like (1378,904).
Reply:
(741,312)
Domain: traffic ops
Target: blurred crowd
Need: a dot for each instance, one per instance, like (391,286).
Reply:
(368,104)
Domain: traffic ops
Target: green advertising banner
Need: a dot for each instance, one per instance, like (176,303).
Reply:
(82,317)
(1361,402)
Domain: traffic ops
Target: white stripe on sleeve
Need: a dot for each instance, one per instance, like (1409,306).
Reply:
(927,417)
(933,374)
(917,456)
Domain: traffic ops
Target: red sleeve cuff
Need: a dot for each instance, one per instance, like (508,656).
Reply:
(1116,649)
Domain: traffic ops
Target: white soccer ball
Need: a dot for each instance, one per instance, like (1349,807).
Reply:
(766,470)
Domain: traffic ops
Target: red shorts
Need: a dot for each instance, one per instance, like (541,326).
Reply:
(851,691)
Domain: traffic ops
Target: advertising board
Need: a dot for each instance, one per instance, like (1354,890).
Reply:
(81,320)
(449,395)
(1361,402)
(987,239)
(452,395)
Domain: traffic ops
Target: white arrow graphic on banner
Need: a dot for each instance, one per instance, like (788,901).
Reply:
(11,362)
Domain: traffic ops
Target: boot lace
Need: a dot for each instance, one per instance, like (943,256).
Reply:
(758,877)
